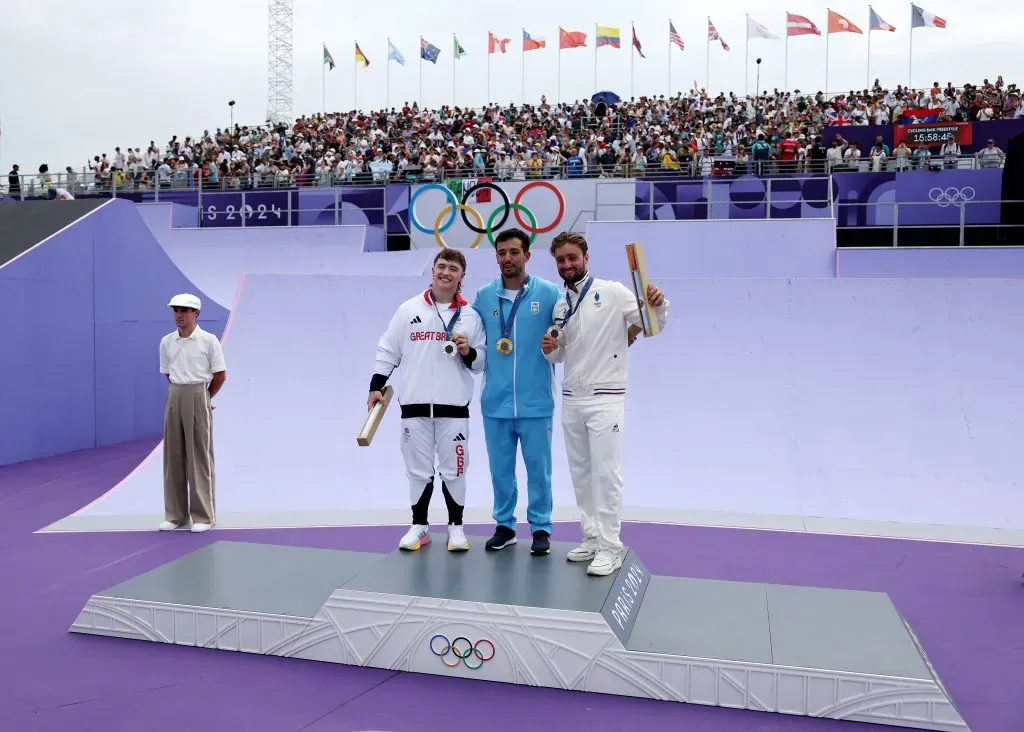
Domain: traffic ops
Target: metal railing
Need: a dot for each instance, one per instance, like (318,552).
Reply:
(35,186)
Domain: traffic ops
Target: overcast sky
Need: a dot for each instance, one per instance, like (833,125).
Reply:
(80,78)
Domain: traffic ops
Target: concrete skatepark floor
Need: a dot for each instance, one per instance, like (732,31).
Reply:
(963,600)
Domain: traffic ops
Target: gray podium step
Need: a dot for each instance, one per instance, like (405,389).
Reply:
(542,621)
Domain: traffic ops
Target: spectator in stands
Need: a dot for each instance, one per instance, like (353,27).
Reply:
(14,182)
(990,156)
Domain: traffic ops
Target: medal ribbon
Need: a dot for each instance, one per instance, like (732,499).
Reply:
(448,329)
(506,328)
(569,309)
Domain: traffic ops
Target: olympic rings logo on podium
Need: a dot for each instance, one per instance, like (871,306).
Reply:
(478,226)
(461,655)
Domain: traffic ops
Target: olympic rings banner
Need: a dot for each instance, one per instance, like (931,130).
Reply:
(469,213)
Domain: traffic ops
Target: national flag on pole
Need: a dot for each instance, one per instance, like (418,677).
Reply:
(714,35)
(921,18)
(361,57)
(608,36)
(457,50)
(636,44)
(428,51)
(328,58)
(532,44)
(571,39)
(674,37)
(756,30)
(875,22)
(394,54)
(798,25)
(838,24)
(495,44)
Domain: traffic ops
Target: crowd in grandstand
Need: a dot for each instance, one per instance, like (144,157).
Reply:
(690,133)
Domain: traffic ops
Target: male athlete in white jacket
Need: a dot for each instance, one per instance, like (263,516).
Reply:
(439,341)
(594,316)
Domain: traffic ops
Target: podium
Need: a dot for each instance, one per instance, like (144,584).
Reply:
(513,618)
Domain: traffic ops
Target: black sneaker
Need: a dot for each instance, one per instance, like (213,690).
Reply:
(541,543)
(503,537)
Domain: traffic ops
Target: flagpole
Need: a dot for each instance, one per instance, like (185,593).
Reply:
(355,79)
(387,77)
(827,34)
(455,49)
(670,60)
(746,63)
(421,72)
(558,88)
(707,62)
(785,72)
(595,58)
(488,100)
(869,47)
(522,64)
(910,63)
(632,55)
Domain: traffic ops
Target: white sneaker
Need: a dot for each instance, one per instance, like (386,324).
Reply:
(584,552)
(169,526)
(415,537)
(606,562)
(200,528)
(457,541)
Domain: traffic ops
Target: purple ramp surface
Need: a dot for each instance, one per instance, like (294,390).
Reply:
(93,305)
(217,258)
(709,249)
(286,425)
(942,262)
(870,400)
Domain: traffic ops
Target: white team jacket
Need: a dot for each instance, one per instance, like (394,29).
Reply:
(594,346)
(414,341)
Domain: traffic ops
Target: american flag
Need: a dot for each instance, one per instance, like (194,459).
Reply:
(674,37)
(714,36)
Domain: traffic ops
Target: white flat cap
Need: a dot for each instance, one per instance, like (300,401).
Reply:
(185,301)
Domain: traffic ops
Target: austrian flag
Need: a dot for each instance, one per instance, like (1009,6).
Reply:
(798,25)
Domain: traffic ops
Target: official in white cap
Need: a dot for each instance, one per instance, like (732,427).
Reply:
(193,362)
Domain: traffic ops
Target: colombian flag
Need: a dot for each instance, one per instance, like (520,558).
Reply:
(608,36)
(361,57)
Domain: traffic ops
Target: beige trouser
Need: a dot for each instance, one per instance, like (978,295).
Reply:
(189,479)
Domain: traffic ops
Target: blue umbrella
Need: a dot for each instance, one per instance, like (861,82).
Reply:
(608,97)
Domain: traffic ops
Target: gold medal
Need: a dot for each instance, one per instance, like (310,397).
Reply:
(504,346)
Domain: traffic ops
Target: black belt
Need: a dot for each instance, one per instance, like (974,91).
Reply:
(449,411)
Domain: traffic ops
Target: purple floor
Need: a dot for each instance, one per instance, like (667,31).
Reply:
(965,602)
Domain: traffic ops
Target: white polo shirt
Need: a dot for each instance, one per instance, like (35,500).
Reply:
(191,360)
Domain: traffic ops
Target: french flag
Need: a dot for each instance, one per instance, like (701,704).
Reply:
(876,22)
(921,18)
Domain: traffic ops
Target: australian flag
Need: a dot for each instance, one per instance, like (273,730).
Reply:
(428,51)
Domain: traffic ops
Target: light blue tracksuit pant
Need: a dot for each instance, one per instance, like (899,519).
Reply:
(502,437)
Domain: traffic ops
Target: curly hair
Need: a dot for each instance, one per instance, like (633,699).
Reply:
(569,237)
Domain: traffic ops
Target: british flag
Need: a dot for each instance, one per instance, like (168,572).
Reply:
(674,37)
(713,35)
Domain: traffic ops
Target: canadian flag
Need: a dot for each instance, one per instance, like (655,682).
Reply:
(798,25)
(495,44)
(921,18)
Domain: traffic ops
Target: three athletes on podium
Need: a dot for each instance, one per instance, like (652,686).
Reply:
(438,340)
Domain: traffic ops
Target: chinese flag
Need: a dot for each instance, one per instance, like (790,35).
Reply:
(571,39)
(838,24)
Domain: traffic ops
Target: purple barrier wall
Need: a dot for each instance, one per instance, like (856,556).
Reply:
(92,309)
(943,262)
(925,198)
(710,249)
